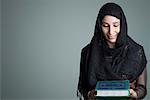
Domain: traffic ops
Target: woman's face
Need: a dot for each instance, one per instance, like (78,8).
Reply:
(110,28)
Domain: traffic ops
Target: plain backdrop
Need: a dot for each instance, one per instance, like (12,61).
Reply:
(41,42)
(0,47)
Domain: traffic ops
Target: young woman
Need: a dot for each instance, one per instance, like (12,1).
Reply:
(112,55)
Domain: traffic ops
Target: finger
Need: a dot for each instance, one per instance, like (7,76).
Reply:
(133,93)
(92,94)
(95,93)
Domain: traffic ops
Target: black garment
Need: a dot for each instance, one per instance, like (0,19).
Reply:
(126,61)
(132,49)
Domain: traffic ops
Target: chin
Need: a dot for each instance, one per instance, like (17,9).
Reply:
(112,42)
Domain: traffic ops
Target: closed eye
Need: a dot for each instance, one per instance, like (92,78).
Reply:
(116,25)
(105,25)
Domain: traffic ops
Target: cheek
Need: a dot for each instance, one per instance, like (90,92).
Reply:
(118,30)
(104,33)
(105,30)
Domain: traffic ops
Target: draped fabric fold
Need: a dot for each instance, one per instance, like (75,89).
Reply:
(126,61)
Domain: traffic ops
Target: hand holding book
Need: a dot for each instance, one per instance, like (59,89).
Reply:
(112,89)
(92,94)
(133,93)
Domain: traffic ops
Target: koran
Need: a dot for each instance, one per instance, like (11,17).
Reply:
(117,88)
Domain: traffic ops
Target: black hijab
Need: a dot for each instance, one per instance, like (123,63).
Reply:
(112,64)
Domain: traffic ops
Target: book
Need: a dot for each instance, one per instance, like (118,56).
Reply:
(117,88)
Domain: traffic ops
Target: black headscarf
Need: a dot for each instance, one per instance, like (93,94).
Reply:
(112,64)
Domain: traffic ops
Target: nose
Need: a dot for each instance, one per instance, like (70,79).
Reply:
(111,30)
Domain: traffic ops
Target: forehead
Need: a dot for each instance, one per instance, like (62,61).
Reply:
(110,19)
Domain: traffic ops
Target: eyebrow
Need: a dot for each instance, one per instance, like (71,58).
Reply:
(113,22)
(116,22)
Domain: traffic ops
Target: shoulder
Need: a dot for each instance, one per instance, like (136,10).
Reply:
(85,49)
(134,46)
(135,50)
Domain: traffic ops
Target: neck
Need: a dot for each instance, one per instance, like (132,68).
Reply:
(111,45)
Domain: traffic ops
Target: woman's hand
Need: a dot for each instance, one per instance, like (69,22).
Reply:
(133,94)
(91,94)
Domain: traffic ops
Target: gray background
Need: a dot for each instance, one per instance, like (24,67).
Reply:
(0,47)
(41,41)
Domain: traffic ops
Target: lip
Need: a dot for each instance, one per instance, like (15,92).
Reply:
(111,37)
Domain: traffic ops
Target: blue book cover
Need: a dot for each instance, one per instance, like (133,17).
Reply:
(113,88)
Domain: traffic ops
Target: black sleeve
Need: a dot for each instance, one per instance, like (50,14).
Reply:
(142,79)
(82,83)
(141,89)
